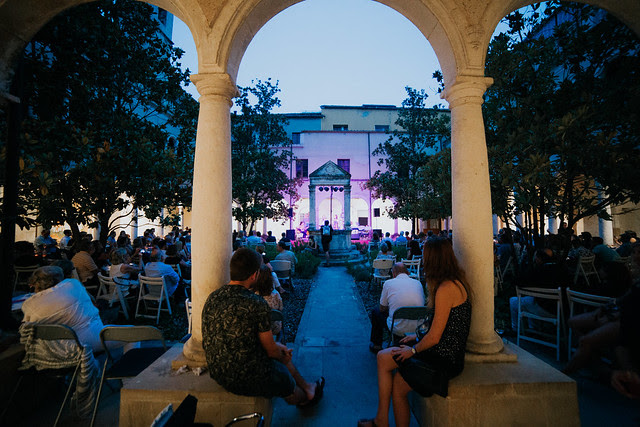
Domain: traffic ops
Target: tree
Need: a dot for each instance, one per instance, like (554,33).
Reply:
(421,131)
(259,181)
(103,86)
(562,116)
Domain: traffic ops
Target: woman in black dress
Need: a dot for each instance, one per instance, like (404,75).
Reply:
(440,351)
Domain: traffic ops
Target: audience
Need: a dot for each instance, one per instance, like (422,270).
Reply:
(265,288)
(286,255)
(157,268)
(84,263)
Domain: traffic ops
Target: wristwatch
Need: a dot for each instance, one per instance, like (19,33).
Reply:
(413,349)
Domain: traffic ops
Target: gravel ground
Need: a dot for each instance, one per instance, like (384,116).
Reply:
(369,294)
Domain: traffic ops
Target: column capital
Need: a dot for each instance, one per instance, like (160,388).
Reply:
(466,90)
(215,84)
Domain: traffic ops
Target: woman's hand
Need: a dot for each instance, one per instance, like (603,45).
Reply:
(402,353)
(408,339)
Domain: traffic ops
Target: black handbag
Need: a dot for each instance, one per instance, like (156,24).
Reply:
(424,378)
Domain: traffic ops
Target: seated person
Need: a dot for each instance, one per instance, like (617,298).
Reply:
(401,291)
(120,265)
(375,242)
(25,255)
(173,258)
(285,254)
(401,240)
(63,301)
(264,287)
(414,250)
(603,253)
(241,353)
(265,260)
(157,268)
(625,378)
(270,238)
(84,263)
(312,246)
(254,239)
(385,253)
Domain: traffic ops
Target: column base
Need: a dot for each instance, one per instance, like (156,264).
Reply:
(192,355)
(492,345)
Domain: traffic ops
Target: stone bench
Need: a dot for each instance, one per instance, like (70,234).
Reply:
(144,396)
(528,392)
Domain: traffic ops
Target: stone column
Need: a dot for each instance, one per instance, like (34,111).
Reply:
(211,199)
(312,207)
(347,207)
(605,228)
(471,206)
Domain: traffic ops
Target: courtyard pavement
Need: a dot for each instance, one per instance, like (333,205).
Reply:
(332,341)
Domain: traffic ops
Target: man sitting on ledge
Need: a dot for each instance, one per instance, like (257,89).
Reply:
(241,353)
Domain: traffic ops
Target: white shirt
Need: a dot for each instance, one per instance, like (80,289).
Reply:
(159,269)
(402,291)
(67,303)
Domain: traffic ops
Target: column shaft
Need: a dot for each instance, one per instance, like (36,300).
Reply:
(211,217)
(471,206)
(347,207)
(312,207)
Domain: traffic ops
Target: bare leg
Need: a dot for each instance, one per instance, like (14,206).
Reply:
(304,390)
(401,410)
(386,367)
(591,344)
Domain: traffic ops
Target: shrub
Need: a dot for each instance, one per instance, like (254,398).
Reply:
(307,265)
(360,272)
(400,252)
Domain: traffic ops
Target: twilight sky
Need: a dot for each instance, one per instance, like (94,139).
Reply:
(341,52)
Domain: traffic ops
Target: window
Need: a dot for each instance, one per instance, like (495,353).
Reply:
(341,127)
(302,168)
(363,221)
(382,128)
(295,138)
(376,212)
(345,164)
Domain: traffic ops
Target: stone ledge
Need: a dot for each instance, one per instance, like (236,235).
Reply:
(526,393)
(144,396)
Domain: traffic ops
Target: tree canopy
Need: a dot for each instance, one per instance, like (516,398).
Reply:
(420,134)
(104,90)
(260,185)
(561,118)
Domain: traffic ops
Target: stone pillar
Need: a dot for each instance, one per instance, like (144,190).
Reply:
(312,207)
(552,224)
(347,207)
(471,206)
(211,212)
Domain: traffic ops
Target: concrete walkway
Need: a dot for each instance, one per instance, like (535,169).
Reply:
(333,341)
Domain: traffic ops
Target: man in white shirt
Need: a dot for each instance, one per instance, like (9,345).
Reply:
(401,291)
(253,239)
(157,268)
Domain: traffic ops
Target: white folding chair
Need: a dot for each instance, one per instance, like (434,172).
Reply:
(111,292)
(187,305)
(555,319)
(586,268)
(381,270)
(153,289)
(413,265)
(585,300)
(22,275)
(282,269)
(510,267)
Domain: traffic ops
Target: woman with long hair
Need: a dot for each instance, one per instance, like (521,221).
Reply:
(437,357)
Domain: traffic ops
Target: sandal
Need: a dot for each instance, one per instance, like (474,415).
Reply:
(317,395)
(367,422)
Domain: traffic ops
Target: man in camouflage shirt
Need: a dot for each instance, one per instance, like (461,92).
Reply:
(241,353)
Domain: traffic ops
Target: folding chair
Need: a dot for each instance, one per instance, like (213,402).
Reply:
(413,265)
(153,289)
(381,270)
(587,300)
(111,292)
(509,268)
(556,319)
(187,305)
(276,315)
(132,362)
(22,275)
(282,269)
(586,267)
(409,313)
(52,332)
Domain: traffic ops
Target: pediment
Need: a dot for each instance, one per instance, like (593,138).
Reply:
(330,171)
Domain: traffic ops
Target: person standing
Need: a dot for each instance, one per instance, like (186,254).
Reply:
(327,236)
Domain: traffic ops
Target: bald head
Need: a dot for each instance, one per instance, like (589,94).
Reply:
(399,268)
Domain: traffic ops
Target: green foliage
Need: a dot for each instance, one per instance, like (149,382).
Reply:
(405,153)
(307,265)
(400,252)
(259,183)
(562,116)
(99,78)
(360,272)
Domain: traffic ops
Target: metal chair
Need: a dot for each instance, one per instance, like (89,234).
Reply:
(413,265)
(111,292)
(587,300)
(509,268)
(407,313)
(586,267)
(22,275)
(276,316)
(282,269)
(132,362)
(381,270)
(53,332)
(556,319)
(153,289)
